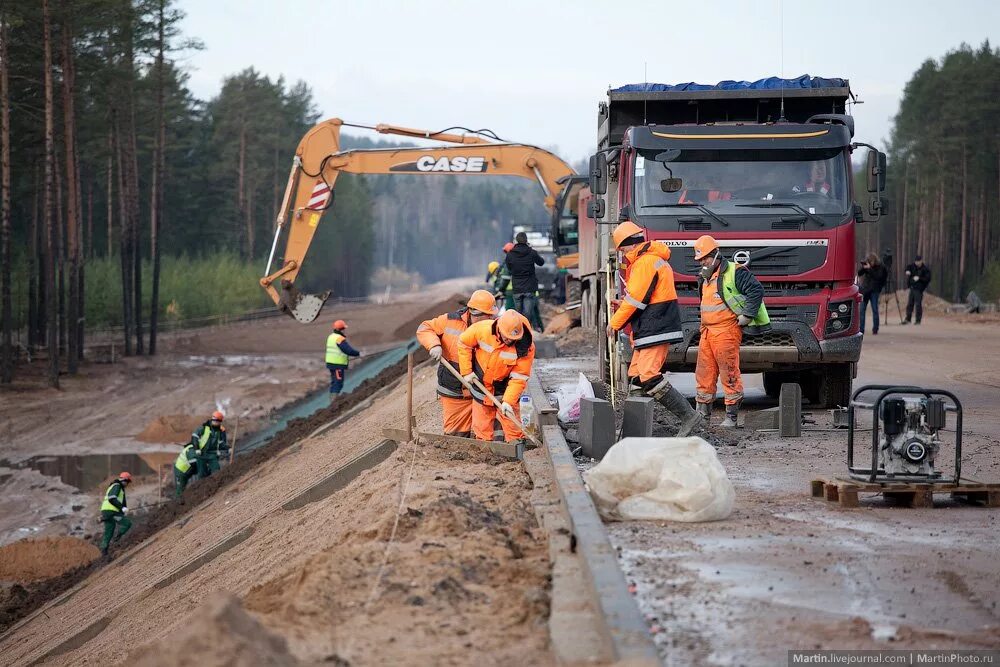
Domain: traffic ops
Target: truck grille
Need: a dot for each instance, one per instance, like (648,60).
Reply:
(769,339)
(778,313)
(764,260)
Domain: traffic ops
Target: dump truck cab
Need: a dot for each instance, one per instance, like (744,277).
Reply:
(765,168)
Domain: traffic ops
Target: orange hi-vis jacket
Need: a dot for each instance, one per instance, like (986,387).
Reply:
(444,330)
(714,311)
(503,369)
(650,299)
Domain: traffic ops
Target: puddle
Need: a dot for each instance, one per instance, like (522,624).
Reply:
(90,471)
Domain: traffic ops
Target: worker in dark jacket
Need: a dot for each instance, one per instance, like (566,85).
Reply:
(521,260)
(918,277)
(209,440)
(338,353)
(113,511)
(872,277)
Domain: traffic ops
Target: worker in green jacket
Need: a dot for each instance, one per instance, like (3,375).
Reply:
(113,511)
(185,467)
(209,440)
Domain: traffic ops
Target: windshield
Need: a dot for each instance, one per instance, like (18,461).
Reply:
(742,183)
(569,233)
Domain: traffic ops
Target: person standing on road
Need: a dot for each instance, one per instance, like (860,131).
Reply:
(872,277)
(209,440)
(113,511)
(650,306)
(185,468)
(498,353)
(338,353)
(918,277)
(521,261)
(439,336)
(732,303)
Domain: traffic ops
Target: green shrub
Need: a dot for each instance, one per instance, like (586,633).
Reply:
(988,285)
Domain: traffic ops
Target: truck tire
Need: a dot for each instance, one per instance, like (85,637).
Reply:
(830,386)
(573,290)
(774,379)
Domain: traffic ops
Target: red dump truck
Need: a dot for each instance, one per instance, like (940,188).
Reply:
(764,167)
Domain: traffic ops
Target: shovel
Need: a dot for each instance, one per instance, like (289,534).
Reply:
(493,399)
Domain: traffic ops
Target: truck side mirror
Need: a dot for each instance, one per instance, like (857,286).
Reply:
(595,209)
(625,213)
(599,174)
(875,171)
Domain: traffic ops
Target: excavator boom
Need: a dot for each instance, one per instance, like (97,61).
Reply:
(319,161)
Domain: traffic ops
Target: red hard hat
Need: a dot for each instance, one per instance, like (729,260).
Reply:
(508,247)
(218,416)
(340,324)
(124,476)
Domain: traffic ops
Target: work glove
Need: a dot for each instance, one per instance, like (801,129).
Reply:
(743,320)
(508,411)
(469,378)
(124,510)
(435,352)
(610,332)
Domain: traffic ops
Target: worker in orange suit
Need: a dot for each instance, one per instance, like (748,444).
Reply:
(650,306)
(499,354)
(439,336)
(732,302)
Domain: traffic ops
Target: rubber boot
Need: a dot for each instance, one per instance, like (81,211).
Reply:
(732,416)
(674,401)
(705,409)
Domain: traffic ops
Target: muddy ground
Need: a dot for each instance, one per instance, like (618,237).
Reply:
(789,572)
(432,557)
(59,447)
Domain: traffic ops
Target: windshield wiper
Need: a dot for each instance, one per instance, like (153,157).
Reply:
(701,208)
(782,204)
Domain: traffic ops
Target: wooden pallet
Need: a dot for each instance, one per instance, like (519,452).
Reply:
(908,494)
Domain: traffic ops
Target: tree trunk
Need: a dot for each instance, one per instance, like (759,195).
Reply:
(110,193)
(124,243)
(241,181)
(89,253)
(156,193)
(6,314)
(60,250)
(52,337)
(964,233)
(72,196)
(35,297)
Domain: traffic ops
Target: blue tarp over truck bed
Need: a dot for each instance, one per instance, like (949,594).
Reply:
(770,83)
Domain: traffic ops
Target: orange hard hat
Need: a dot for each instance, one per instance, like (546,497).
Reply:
(483,301)
(218,416)
(511,325)
(625,231)
(125,477)
(508,247)
(340,324)
(704,245)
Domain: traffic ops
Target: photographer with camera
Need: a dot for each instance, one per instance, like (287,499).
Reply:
(872,277)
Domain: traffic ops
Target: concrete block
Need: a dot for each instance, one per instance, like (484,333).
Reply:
(761,420)
(597,427)
(637,419)
(790,410)
(545,348)
(600,389)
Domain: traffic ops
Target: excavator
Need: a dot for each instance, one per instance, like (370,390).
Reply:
(319,160)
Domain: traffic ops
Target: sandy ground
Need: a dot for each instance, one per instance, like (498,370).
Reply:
(788,572)
(432,557)
(110,413)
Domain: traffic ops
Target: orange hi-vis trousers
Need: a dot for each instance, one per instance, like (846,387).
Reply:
(482,422)
(719,357)
(456,415)
(647,362)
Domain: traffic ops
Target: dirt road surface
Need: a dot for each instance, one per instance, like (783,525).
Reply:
(134,414)
(789,572)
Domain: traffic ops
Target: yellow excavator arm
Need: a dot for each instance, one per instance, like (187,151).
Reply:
(318,161)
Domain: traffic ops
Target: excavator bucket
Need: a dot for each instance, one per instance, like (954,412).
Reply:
(303,307)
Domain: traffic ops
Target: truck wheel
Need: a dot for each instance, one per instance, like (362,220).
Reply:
(831,386)
(774,379)
(573,291)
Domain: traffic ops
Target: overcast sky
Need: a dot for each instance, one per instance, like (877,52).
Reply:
(534,70)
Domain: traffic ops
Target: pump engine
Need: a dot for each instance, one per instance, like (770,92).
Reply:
(909,442)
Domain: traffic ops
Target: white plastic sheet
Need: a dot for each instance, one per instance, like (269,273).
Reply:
(569,399)
(671,479)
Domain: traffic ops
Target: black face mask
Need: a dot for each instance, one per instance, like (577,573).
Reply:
(707,271)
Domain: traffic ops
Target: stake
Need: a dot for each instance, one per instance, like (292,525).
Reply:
(612,344)
(409,397)
(232,450)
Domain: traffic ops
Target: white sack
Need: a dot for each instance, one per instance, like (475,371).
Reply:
(569,399)
(672,479)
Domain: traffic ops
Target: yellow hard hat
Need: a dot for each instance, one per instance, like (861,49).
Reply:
(483,301)
(625,231)
(704,245)
(493,266)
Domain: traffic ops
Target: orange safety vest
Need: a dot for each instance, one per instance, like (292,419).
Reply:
(714,311)
(503,369)
(444,330)
(713,195)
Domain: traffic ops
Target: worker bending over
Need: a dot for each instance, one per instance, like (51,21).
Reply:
(650,306)
(185,468)
(498,353)
(439,336)
(338,352)
(732,302)
(209,440)
(113,511)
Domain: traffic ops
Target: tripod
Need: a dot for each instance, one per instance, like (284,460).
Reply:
(890,285)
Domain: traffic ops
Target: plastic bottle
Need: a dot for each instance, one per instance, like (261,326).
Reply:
(527,411)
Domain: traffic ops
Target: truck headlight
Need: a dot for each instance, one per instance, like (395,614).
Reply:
(841,316)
